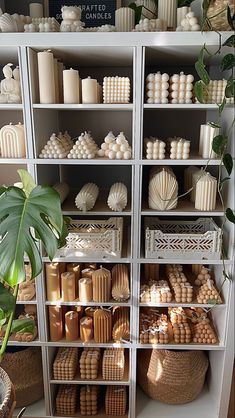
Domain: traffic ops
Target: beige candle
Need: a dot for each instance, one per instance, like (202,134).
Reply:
(68,286)
(205,198)
(71,326)
(86,329)
(12,141)
(76,269)
(71,86)
(56,323)
(46,77)
(62,267)
(167,11)
(207,134)
(89,90)
(102,326)
(101,282)
(197,174)
(36,10)
(87,272)
(53,281)
(85,289)
(124,19)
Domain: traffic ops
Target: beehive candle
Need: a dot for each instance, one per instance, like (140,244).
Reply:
(46,77)
(205,197)
(56,322)
(71,326)
(85,289)
(167,10)
(89,91)
(102,326)
(124,19)
(101,282)
(68,286)
(53,281)
(71,86)
(12,141)
(207,134)
(86,329)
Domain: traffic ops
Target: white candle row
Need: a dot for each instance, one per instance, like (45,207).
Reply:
(160,88)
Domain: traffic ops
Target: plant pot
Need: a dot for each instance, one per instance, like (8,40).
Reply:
(7,396)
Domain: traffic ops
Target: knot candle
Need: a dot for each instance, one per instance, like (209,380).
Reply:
(71,86)
(85,290)
(68,286)
(206,188)
(89,91)
(46,77)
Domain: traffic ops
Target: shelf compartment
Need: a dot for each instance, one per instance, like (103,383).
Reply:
(184,208)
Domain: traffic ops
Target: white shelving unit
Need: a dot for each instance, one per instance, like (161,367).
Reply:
(133,55)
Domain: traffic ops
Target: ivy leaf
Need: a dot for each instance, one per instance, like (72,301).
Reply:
(218,144)
(228,62)
(230,88)
(199,91)
(230,41)
(222,106)
(228,163)
(230,18)
(137,10)
(202,72)
(230,215)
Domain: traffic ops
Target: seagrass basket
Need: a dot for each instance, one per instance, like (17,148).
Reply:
(7,396)
(173,377)
(24,368)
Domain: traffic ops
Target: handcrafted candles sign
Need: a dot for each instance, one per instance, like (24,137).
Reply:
(94,12)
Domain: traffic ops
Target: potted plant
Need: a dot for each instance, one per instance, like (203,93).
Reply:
(29,215)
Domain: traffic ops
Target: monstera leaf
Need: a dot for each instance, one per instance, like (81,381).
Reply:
(26,215)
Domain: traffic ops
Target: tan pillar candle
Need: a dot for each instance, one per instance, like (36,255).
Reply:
(53,281)
(62,267)
(102,326)
(68,286)
(71,326)
(46,77)
(101,283)
(92,266)
(56,323)
(86,329)
(71,86)
(85,289)
(87,272)
(89,91)
(76,269)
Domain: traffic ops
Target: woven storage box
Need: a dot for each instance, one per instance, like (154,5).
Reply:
(66,400)
(172,377)
(115,400)
(191,240)
(65,364)
(25,371)
(7,398)
(113,364)
(94,238)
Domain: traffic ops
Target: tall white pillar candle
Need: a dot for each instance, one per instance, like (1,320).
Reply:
(89,90)
(205,197)
(197,175)
(71,86)
(207,134)
(36,10)
(46,77)
(124,19)
(167,11)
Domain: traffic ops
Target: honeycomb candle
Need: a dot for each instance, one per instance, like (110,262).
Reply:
(116,90)
(180,149)
(181,88)
(154,149)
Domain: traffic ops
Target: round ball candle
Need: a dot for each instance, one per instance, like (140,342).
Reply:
(71,86)
(71,326)
(53,281)
(46,77)
(89,91)
(85,289)
(68,286)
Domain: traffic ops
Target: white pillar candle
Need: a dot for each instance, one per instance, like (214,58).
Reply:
(181,13)
(71,85)
(36,10)
(60,79)
(188,177)
(205,197)
(197,175)
(207,134)
(89,90)
(167,11)
(124,19)
(46,77)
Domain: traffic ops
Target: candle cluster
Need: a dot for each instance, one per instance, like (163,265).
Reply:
(12,141)
(85,147)
(160,88)
(216,92)
(89,400)
(163,189)
(66,400)
(113,364)
(42,24)
(116,90)
(207,134)
(150,25)
(179,148)
(156,291)
(154,148)
(189,23)
(181,88)
(66,363)
(89,363)
(115,148)
(10,87)
(183,290)
(153,327)
(203,276)
(180,326)
(207,293)
(203,332)
(157,86)
(57,146)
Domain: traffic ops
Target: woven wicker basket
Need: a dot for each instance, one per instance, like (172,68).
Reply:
(25,371)
(217,13)
(172,377)
(7,396)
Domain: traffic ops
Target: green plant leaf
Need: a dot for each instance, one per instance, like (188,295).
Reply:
(137,10)
(228,62)
(222,181)
(230,41)
(20,218)
(230,215)
(202,72)
(230,88)
(230,18)
(228,163)
(201,55)
(218,144)
(27,181)
(222,106)
(7,300)
(23,325)
(199,91)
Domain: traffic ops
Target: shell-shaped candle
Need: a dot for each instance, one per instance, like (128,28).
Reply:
(163,190)
(120,283)
(8,23)
(117,198)
(86,198)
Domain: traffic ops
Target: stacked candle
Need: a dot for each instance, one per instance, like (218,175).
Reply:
(157,88)
(153,328)
(85,147)
(205,196)
(150,25)
(156,292)
(154,149)
(216,92)
(188,23)
(208,293)
(181,88)
(203,332)
(116,90)
(182,289)
(57,147)
(202,276)
(89,363)
(115,401)
(180,148)
(207,134)
(115,148)
(89,397)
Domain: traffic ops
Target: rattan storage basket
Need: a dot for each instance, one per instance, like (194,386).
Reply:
(173,377)
(7,398)
(25,371)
